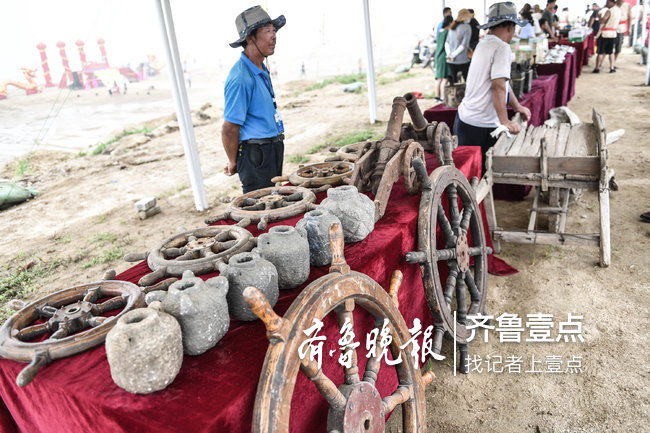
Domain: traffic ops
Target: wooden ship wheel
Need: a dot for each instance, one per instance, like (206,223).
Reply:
(200,251)
(67,322)
(349,152)
(266,205)
(319,176)
(356,405)
(454,265)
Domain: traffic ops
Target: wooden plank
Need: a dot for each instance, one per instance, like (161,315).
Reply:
(533,212)
(562,138)
(503,143)
(591,240)
(551,140)
(492,219)
(601,132)
(582,140)
(518,139)
(552,183)
(519,144)
(543,164)
(554,200)
(565,209)
(587,165)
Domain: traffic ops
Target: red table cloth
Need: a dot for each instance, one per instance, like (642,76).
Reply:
(215,391)
(539,101)
(566,73)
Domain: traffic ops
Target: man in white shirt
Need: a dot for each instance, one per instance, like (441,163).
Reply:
(487,92)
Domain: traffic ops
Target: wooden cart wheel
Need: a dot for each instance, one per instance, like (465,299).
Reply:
(350,152)
(268,204)
(465,257)
(200,251)
(74,319)
(356,405)
(411,181)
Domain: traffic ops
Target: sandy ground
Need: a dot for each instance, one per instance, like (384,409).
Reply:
(84,221)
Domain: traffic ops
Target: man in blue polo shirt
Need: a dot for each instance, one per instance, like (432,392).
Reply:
(252,128)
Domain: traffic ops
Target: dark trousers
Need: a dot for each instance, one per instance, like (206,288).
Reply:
(469,135)
(258,161)
(455,69)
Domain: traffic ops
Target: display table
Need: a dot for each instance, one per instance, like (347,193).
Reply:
(584,50)
(215,391)
(566,73)
(539,101)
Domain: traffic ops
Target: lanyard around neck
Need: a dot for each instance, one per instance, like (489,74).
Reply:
(266,77)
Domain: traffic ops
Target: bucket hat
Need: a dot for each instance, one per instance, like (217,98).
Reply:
(502,12)
(254,18)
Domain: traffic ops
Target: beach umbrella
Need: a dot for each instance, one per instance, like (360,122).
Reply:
(182,104)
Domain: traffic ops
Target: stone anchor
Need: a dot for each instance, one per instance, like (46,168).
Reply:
(200,308)
(145,350)
(288,249)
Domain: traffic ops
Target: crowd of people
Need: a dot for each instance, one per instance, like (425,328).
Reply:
(457,38)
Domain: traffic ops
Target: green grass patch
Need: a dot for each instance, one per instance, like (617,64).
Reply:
(344,140)
(22,165)
(102,146)
(18,282)
(104,238)
(298,159)
(342,79)
(62,239)
(107,256)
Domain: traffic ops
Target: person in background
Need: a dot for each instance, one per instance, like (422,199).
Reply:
(442,71)
(487,93)
(537,15)
(636,14)
(476,30)
(621,28)
(446,12)
(528,30)
(563,18)
(456,45)
(607,36)
(252,132)
(549,23)
(594,19)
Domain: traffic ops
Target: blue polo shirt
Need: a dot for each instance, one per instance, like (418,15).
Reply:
(249,100)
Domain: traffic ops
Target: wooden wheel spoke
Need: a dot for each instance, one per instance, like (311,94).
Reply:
(189,255)
(452,195)
(92,295)
(34,331)
(446,254)
(461,308)
(62,332)
(46,311)
(95,321)
(171,253)
(296,196)
(450,284)
(402,394)
(257,206)
(467,216)
(269,205)
(445,226)
(343,315)
(324,384)
(474,294)
(109,305)
(374,362)
(475,251)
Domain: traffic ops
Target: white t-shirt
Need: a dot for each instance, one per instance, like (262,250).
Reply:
(491,60)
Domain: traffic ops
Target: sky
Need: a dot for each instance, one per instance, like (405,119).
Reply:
(327,36)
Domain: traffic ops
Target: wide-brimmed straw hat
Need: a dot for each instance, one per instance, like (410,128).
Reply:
(463,15)
(502,12)
(254,18)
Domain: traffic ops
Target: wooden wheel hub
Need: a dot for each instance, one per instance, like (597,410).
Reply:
(200,244)
(362,413)
(462,253)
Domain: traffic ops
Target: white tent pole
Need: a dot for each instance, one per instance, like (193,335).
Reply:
(182,104)
(636,25)
(643,30)
(485,11)
(372,92)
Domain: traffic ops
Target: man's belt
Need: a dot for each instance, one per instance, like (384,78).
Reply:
(275,139)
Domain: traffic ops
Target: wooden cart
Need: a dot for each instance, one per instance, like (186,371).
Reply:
(555,160)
